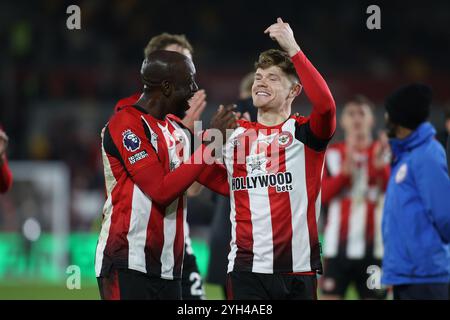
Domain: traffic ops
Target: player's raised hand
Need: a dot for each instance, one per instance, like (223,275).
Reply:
(197,105)
(242,116)
(225,118)
(283,34)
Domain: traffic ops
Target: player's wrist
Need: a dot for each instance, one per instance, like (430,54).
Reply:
(293,50)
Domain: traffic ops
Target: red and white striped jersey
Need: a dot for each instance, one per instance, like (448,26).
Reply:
(355,205)
(137,232)
(274,174)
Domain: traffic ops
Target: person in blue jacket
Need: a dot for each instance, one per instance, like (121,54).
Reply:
(416,218)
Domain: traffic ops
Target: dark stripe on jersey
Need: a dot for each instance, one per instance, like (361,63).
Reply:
(304,134)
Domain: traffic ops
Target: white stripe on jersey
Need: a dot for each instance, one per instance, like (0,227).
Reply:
(357,223)
(137,233)
(261,222)
(378,249)
(186,155)
(319,196)
(103,237)
(110,182)
(228,161)
(170,228)
(154,136)
(331,237)
(187,238)
(262,231)
(233,246)
(295,163)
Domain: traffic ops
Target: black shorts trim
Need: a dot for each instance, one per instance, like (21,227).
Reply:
(126,284)
(243,285)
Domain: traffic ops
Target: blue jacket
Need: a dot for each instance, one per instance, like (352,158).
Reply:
(416,218)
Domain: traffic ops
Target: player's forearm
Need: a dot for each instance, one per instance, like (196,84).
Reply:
(332,186)
(165,188)
(323,115)
(5,176)
(214,177)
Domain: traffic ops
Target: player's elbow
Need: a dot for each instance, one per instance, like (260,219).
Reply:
(329,107)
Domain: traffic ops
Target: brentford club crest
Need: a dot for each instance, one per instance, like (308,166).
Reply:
(285,139)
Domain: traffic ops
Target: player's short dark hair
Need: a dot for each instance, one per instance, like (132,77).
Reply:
(160,42)
(278,58)
(360,100)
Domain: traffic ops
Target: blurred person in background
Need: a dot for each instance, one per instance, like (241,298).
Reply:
(245,103)
(5,172)
(355,178)
(416,218)
(220,233)
(147,170)
(192,283)
(443,136)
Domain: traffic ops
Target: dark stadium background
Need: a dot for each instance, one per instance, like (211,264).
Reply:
(59,86)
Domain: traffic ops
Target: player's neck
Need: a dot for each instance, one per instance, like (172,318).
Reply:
(271,117)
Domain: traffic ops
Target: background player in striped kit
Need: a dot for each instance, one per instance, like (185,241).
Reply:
(192,282)
(5,172)
(274,169)
(355,178)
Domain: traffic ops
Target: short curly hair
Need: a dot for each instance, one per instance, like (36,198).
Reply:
(165,39)
(278,58)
